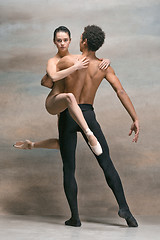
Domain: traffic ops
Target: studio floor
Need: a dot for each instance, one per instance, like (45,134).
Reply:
(53,228)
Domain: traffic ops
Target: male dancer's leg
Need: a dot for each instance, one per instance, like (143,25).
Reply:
(68,142)
(108,168)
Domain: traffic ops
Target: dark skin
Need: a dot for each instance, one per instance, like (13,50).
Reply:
(84,83)
(56,104)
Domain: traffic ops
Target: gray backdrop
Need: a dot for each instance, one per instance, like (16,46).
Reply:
(31,181)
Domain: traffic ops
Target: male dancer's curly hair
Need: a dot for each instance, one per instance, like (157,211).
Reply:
(95,37)
(61,29)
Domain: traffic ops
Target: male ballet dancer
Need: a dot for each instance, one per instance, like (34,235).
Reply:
(83,85)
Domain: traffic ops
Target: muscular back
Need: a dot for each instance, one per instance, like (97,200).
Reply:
(82,83)
(93,78)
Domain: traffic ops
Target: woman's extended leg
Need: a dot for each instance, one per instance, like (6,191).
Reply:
(52,143)
(60,102)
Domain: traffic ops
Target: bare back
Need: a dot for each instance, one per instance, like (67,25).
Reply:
(83,83)
(93,78)
(74,82)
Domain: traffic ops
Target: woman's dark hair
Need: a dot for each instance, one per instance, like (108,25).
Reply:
(61,29)
(95,37)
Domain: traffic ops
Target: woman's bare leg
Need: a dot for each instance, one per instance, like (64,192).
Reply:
(52,143)
(55,105)
(60,102)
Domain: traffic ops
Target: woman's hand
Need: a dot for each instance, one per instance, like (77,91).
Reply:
(81,63)
(104,64)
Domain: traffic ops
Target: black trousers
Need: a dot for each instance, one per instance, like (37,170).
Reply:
(68,129)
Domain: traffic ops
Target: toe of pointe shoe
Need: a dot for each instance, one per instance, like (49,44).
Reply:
(27,144)
(96,149)
(17,146)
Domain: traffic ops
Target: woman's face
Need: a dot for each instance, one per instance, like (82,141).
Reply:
(62,41)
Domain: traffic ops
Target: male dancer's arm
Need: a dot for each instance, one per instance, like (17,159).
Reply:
(125,100)
(47,81)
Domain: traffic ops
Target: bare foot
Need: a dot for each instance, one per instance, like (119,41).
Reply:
(27,144)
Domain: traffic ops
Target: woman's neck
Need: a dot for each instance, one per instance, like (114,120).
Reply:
(62,54)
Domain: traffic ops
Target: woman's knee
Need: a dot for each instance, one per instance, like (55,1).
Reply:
(70,98)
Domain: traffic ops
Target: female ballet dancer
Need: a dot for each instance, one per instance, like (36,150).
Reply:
(57,101)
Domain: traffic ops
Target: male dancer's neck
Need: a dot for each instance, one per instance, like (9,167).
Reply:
(89,54)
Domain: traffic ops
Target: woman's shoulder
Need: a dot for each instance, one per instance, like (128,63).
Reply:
(53,60)
(67,58)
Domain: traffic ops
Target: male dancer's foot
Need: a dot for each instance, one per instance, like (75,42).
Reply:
(127,215)
(93,142)
(73,222)
(27,144)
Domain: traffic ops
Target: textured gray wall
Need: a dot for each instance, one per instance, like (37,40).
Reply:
(31,181)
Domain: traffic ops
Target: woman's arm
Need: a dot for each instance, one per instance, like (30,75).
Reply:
(58,75)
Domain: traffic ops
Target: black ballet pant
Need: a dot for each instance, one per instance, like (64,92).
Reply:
(68,129)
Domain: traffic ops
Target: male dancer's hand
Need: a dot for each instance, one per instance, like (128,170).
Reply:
(135,128)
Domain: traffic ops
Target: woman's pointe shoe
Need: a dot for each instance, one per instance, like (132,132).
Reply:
(97,149)
(27,144)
